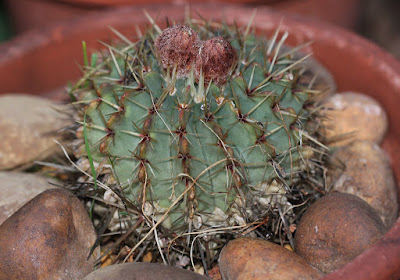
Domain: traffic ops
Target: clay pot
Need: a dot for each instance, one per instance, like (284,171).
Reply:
(48,12)
(41,13)
(344,13)
(41,62)
(108,3)
(341,12)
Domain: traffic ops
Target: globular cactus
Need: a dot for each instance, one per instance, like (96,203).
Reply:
(198,126)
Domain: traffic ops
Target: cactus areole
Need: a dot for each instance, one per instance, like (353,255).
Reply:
(200,127)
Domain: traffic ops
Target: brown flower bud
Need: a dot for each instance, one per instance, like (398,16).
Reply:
(215,60)
(177,46)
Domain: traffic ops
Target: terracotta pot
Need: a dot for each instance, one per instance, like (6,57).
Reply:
(344,13)
(41,13)
(108,3)
(341,12)
(41,62)
(47,12)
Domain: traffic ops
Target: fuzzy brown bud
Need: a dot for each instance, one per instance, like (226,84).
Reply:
(177,46)
(215,60)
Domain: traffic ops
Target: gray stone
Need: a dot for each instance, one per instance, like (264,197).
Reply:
(28,124)
(18,188)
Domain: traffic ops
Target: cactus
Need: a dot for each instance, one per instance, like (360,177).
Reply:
(199,126)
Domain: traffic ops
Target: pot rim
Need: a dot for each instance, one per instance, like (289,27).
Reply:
(108,3)
(381,260)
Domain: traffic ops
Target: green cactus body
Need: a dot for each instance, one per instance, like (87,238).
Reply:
(175,137)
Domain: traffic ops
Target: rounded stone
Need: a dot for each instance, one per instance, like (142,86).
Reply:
(335,229)
(18,188)
(50,237)
(143,271)
(254,258)
(353,116)
(367,174)
(29,125)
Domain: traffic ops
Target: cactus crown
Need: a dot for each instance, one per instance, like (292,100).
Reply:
(199,126)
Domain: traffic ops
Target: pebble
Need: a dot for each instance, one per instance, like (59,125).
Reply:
(29,125)
(143,271)
(335,229)
(48,238)
(368,175)
(257,259)
(17,188)
(351,116)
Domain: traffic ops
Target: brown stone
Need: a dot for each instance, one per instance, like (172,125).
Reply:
(18,188)
(48,238)
(253,258)
(336,229)
(353,116)
(29,125)
(368,175)
(143,271)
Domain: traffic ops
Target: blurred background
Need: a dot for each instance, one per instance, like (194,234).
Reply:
(377,20)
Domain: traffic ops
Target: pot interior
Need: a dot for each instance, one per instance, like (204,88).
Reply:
(43,62)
